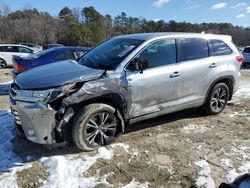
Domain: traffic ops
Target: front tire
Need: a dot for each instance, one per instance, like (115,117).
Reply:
(217,99)
(95,125)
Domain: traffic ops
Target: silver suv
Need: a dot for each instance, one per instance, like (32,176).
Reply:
(124,80)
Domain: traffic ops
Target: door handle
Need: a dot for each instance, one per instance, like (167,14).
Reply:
(175,74)
(213,65)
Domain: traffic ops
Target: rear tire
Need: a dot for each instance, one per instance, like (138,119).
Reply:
(95,125)
(2,63)
(217,99)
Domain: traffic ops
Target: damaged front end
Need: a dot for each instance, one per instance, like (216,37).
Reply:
(36,112)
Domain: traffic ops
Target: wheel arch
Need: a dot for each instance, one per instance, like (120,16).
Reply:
(112,99)
(228,80)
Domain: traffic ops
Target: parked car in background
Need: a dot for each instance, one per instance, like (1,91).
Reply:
(33,46)
(48,46)
(48,56)
(118,83)
(7,51)
(240,48)
(246,54)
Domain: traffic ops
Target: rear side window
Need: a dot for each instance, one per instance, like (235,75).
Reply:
(192,49)
(219,48)
(10,49)
(246,50)
(64,56)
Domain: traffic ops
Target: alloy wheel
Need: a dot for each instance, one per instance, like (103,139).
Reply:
(219,99)
(100,128)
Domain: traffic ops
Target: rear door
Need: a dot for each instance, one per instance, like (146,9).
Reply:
(197,69)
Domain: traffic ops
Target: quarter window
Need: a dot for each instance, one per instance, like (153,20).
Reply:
(79,53)
(64,56)
(24,50)
(219,48)
(160,53)
(192,49)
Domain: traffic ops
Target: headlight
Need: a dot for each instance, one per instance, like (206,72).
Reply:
(44,95)
(29,95)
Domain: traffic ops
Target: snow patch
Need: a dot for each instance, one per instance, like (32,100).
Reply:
(241,114)
(67,171)
(191,128)
(10,162)
(205,178)
(136,184)
(121,145)
(243,90)
(226,163)
(7,157)
(233,174)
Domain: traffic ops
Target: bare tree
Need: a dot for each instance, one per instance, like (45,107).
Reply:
(5,10)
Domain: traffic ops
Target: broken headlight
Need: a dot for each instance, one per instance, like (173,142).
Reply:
(45,95)
(32,95)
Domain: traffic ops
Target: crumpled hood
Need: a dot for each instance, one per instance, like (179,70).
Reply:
(56,74)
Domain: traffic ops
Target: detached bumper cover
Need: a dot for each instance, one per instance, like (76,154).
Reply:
(36,119)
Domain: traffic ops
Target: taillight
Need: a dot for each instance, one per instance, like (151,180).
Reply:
(19,68)
(240,59)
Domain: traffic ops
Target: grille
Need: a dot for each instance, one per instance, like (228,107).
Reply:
(16,116)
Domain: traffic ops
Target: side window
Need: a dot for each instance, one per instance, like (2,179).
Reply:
(11,49)
(64,56)
(159,53)
(24,50)
(192,48)
(219,48)
(2,49)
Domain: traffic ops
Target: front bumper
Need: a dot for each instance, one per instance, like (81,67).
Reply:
(36,119)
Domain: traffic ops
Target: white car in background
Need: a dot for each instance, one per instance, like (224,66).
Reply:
(8,50)
(33,46)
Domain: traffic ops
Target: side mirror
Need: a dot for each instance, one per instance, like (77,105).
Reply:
(140,64)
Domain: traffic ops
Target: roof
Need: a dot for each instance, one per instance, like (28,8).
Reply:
(148,36)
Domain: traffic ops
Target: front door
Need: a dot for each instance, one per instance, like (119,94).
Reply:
(154,88)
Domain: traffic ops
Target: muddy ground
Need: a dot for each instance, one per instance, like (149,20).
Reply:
(182,149)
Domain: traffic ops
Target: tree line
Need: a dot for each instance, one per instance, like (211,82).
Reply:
(87,27)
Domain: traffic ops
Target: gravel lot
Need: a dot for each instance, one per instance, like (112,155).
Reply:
(176,150)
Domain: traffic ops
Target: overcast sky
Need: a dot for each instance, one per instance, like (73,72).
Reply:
(236,12)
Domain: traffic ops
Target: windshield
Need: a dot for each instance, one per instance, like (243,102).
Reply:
(110,53)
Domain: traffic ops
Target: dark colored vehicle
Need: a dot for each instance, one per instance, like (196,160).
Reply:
(246,54)
(48,46)
(52,55)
